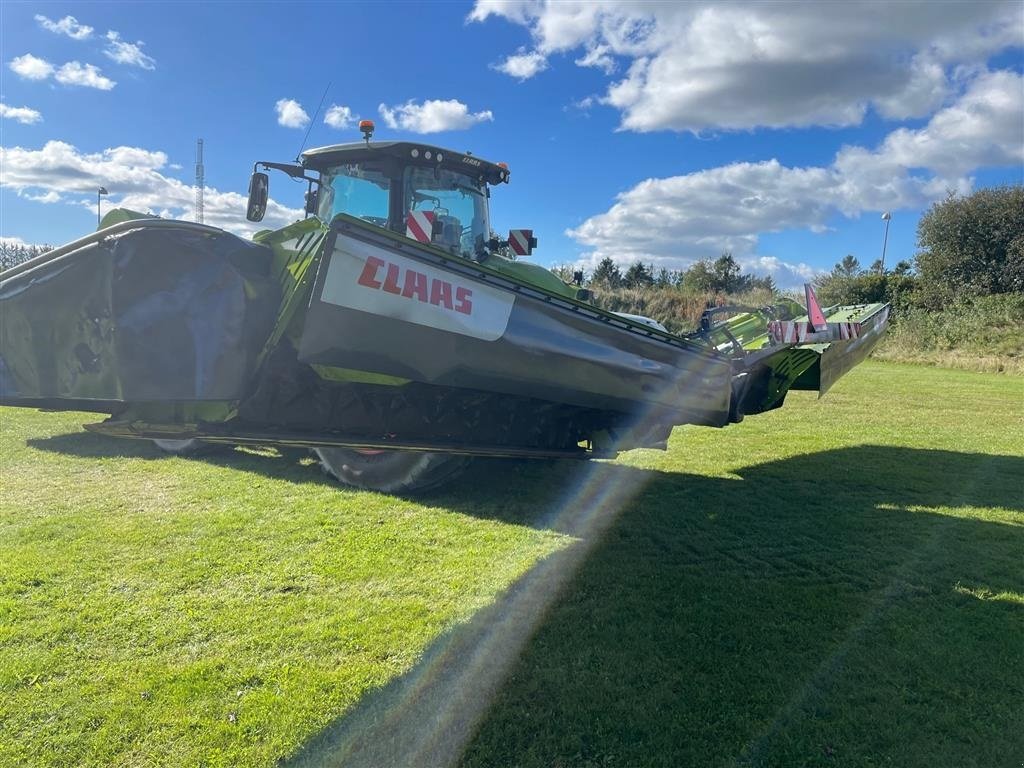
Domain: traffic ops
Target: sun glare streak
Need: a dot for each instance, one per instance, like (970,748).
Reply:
(429,716)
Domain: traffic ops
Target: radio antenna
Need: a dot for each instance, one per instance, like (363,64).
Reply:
(315,116)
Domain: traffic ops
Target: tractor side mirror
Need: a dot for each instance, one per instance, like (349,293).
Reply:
(259,192)
(312,199)
(521,241)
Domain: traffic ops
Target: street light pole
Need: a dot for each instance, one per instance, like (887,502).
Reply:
(100,191)
(886,217)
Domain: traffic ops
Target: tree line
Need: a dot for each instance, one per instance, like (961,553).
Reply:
(712,276)
(12,254)
(968,247)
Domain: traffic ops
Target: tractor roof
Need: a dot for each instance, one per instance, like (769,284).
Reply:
(412,152)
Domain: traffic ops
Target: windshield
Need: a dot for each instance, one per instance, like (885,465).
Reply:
(360,190)
(458,204)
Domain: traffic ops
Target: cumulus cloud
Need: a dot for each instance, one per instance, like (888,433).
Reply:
(985,127)
(31,67)
(786,275)
(339,117)
(67,26)
(432,116)
(16,242)
(135,179)
(127,53)
(523,65)
(676,220)
(704,213)
(47,197)
(290,114)
(24,115)
(709,66)
(598,56)
(84,75)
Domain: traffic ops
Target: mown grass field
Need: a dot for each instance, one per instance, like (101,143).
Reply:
(838,583)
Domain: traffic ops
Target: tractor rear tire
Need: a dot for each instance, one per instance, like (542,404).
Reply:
(391,471)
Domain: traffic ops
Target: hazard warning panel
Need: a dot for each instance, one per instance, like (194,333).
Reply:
(419,225)
(521,241)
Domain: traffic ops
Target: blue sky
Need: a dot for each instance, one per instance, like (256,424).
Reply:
(666,132)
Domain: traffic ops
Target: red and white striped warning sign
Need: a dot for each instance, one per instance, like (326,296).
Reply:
(519,241)
(801,331)
(419,225)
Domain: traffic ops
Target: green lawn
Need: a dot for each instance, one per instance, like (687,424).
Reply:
(838,583)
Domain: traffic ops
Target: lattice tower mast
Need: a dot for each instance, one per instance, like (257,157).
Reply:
(200,181)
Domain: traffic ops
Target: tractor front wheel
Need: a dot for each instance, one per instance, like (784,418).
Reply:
(191,447)
(390,471)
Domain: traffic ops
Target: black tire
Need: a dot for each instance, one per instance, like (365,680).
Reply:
(391,471)
(190,447)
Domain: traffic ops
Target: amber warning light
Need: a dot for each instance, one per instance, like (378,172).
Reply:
(366,126)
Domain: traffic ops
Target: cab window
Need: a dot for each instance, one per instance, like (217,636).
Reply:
(361,190)
(458,204)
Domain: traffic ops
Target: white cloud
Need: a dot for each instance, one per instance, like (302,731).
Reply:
(16,242)
(11,241)
(290,114)
(67,26)
(31,67)
(135,179)
(127,53)
(432,116)
(701,214)
(598,56)
(23,115)
(516,11)
(49,197)
(925,90)
(523,65)
(676,220)
(84,75)
(339,117)
(707,66)
(985,127)
(786,276)
(72,73)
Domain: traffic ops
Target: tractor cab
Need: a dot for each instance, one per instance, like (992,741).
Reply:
(430,194)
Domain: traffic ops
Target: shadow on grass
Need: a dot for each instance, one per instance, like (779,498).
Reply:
(91,445)
(530,482)
(283,463)
(832,608)
(814,608)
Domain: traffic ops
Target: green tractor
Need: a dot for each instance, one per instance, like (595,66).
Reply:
(391,331)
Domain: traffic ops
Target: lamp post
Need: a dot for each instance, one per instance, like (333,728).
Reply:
(100,191)
(886,217)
